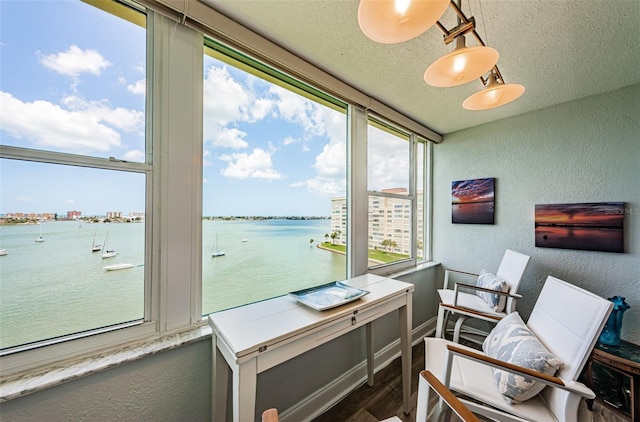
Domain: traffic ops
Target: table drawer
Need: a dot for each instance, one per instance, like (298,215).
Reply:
(272,355)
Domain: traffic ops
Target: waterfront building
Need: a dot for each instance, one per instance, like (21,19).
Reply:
(389,218)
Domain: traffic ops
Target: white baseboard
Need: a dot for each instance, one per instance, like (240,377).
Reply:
(323,399)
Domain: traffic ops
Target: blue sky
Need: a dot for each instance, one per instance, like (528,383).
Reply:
(75,83)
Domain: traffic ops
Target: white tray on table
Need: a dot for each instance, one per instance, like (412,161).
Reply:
(328,295)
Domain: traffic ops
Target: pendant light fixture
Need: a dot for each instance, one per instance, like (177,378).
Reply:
(396,21)
(493,95)
(462,65)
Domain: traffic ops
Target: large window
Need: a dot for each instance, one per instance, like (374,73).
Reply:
(395,180)
(74,169)
(274,161)
(144,184)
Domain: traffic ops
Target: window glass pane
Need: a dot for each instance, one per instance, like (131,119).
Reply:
(53,282)
(73,78)
(387,160)
(388,172)
(73,82)
(389,230)
(274,160)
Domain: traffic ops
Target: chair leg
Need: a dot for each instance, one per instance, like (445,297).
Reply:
(456,331)
(440,327)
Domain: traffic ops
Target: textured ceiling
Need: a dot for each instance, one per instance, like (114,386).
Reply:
(560,50)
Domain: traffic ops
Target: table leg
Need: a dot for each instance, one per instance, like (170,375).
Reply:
(370,356)
(244,391)
(218,385)
(406,326)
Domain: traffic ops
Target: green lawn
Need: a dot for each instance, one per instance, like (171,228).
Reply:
(374,254)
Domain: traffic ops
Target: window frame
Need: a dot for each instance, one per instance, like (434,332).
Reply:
(46,352)
(412,196)
(173,292)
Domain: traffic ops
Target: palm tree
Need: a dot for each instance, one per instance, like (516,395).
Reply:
(333,238)
(388,244)
(326,237)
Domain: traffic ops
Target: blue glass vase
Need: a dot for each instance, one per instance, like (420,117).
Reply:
(611,332)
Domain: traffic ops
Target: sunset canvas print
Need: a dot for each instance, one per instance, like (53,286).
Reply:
(472,201)
(586,226)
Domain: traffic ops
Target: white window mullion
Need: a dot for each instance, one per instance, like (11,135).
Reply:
(177,132)
(357,197)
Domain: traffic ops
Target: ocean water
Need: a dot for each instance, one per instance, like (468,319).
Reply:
(59,286)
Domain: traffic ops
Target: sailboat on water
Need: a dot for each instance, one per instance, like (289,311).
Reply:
(40,239)
(94,247)
(216,252)
(108,253)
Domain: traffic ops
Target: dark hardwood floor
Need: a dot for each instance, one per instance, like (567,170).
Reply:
(384,399)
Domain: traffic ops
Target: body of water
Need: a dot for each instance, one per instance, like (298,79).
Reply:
(472,213)
(581,238)
(60,286)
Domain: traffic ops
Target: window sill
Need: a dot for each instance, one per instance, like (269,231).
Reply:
(33,381)
(419,267)
(38,380)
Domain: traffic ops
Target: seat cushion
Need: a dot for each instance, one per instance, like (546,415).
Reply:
(491,281)
(512,341)
(475,380)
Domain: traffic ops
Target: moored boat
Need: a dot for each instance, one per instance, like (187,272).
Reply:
(116,267)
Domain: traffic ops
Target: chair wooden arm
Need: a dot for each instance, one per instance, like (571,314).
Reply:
(484,289)
(462,309)
(270,415)
(449,398)
(572,386)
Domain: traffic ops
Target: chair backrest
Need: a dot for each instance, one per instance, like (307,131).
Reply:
(567,320)
(511,270)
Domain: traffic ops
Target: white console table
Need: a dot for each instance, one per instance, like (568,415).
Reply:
(259,336)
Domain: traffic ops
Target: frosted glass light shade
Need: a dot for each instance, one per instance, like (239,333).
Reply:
(395,21)
(461,66)
(494,95)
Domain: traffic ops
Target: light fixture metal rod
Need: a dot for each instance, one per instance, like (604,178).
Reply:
(462,18)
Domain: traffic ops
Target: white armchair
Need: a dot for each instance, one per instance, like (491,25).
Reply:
(462,300)
(566,320)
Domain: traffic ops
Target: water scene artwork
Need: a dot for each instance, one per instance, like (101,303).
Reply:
(473,201)
(584,226)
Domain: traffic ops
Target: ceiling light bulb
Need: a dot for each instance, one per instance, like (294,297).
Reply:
(462,65)
(401,6)
(495,94)
(395,21)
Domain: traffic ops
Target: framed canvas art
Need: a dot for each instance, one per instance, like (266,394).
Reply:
(592,226)
(473,201)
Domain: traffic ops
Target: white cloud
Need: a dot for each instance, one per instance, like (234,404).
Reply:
(75,61)
(224,98)
(230,138)
(290,140)
(297,109)
(387,162)
(256,165)
(134,155)
(138,87)
(330,166)
(70,201)
(49,125)
(127,120)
